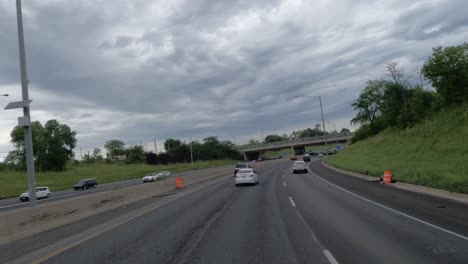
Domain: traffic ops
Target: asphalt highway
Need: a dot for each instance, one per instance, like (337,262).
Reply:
(316,217)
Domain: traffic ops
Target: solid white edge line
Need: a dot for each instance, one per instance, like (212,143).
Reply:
(292,201)
(396,211)
(330,257)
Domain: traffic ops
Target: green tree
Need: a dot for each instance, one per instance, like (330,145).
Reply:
(115,148)
(135,154)
(447,69)
(171,145)
(273,138)
(369,103)
(345,130)
(53,145)
(97,154)
(253,142)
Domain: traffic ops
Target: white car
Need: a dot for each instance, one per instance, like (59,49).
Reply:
(299,165)
(151,177)
(246,176)
(41,192)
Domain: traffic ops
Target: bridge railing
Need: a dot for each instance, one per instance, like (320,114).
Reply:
(293,141)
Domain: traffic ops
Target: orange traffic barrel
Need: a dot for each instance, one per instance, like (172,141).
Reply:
(387,177)
(178,183)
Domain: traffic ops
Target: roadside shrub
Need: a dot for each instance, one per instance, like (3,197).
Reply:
(151,158)
(164,158)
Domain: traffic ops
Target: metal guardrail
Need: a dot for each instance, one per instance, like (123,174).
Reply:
(286,142)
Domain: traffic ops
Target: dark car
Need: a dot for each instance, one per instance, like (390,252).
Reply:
(241,166)
(85,184)
(306,158)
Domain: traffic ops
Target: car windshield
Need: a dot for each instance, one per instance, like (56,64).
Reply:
(346,122)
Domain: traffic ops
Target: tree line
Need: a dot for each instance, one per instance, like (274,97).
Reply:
(53,145)
(392,101)
(177,151)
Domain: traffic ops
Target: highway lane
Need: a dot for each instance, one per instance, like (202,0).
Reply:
(318,217)
(14,203)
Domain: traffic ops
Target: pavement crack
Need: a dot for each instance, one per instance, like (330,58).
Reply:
(197,234)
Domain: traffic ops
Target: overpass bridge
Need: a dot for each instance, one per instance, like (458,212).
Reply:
(254,151)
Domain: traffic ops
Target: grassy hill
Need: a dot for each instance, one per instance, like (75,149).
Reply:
(433,153)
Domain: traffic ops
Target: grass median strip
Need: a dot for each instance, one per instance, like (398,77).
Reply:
(14,182)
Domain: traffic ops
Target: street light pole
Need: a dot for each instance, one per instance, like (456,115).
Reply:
(26,110)
(321,112)
(323,123)
(191,152)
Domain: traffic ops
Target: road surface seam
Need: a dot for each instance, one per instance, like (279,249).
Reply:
(394,210)
(184,254)
(292,201)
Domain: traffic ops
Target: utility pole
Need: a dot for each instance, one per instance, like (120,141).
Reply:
(334,127)
(323,123)
(261,141)
(155,146)
(81,154)
(26,110)
(140,143)
(191,152)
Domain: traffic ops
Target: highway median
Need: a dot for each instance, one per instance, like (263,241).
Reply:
(22,223)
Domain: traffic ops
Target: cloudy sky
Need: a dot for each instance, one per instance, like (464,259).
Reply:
(140,69)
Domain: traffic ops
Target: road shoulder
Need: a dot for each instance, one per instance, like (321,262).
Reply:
(459,197)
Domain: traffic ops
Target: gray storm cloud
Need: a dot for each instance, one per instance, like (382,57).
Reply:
(139,70)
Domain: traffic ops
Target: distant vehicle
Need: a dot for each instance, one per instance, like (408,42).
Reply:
(85,184)
(299,165)
(41,193)
(313,153)
(320,155)
(150,177)
(246,176)
(306,157)
(241,166)
(293,158)
(163,175)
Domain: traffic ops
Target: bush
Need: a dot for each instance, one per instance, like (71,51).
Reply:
(151,158)
(164,158)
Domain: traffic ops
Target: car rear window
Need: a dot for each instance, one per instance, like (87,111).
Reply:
(41,189)
(245,171)
(299,162)
(241,166)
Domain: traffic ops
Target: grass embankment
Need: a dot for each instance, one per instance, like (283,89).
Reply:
(433,153)
(275,153)
(15,182)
